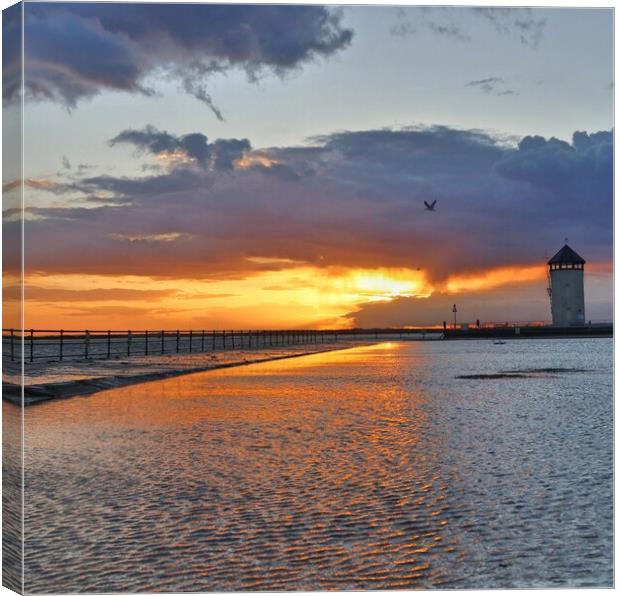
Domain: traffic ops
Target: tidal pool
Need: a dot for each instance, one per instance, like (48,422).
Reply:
(373,467)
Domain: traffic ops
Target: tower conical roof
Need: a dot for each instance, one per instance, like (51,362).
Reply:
(566,255)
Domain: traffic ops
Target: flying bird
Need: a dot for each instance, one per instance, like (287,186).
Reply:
(430,207)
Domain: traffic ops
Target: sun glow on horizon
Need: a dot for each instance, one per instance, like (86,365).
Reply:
(289,294)
(387,284)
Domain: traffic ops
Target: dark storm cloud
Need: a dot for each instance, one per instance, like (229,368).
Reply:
(582,170)
(179,180)
(351,199)
(11,51)
(219,155)
(227,151)
(76,50)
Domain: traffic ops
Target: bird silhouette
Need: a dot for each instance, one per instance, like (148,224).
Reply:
(430,207)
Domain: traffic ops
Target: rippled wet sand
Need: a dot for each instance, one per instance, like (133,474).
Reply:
(367,468)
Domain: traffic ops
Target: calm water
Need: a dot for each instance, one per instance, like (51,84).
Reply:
(368,468)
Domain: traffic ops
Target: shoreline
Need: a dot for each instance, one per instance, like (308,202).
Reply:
(42,392)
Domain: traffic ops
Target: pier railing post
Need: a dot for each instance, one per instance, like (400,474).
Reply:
(191,333)
(178,338)
(223,339)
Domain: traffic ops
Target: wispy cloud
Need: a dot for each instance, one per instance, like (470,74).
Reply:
(492,86)
(195,147)
(449,31)
(38,183)
(161,237)
(453,23)
(514,21)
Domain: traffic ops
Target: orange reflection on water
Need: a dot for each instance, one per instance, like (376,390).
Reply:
(292,474)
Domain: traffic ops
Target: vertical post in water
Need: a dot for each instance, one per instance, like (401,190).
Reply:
(60,347)
(178,338)
(12,345)
(86,343)
(162,341)
(191,333)
(223,339)
(109,342)
(213,337)
(232,337)
(129,342)
(146,342)
(249,338)
(31,345)
(202,343)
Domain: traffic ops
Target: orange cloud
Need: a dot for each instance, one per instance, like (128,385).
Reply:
(492,278)
(255,159)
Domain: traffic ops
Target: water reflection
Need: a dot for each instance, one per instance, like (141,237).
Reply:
(366,468)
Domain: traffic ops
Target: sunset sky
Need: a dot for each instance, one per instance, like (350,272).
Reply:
(213,166)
